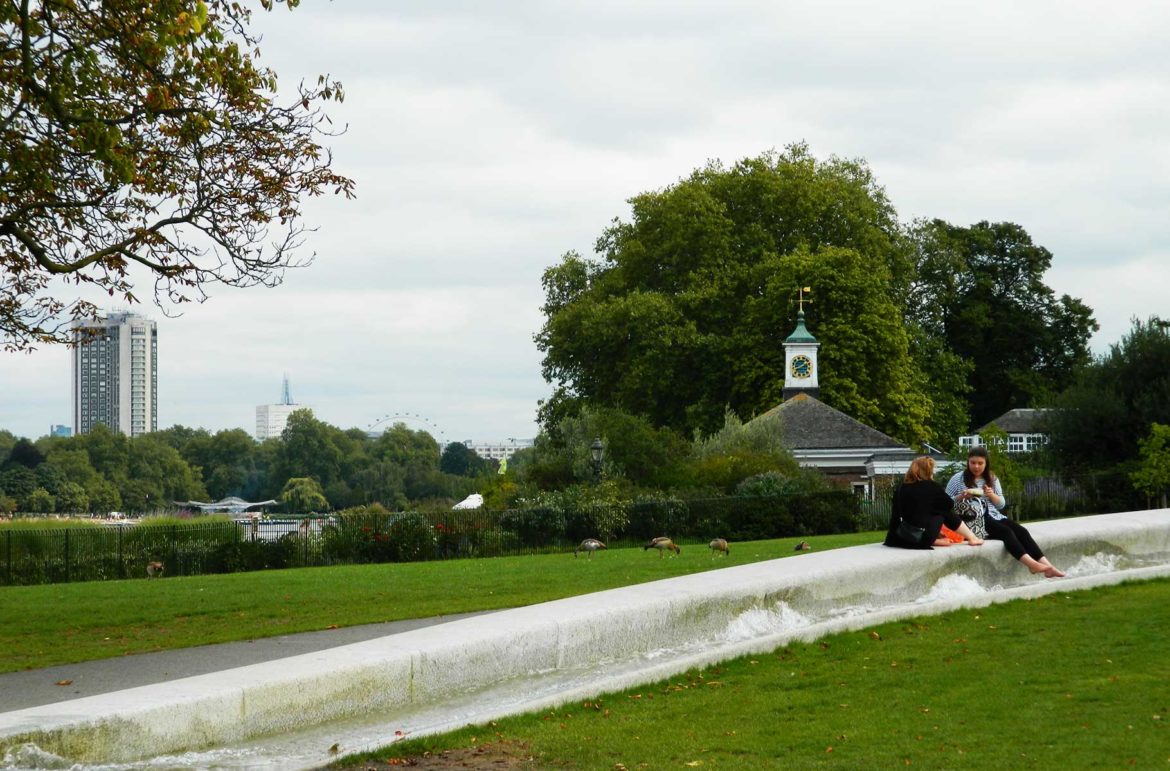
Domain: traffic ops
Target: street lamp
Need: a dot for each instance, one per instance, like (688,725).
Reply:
(597,451)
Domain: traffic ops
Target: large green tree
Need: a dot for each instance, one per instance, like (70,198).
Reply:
(461,460)
(1153,477)
(307,449)
(303,494)
(7,442)
(142,135)
(1100,419)
(979,294)
(687,310)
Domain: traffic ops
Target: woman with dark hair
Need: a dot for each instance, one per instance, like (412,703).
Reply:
(920,509)
(977,483)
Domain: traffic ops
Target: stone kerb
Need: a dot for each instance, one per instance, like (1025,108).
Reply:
(619,632)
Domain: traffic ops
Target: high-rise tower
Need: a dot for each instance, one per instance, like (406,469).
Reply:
(115,374)
(272,418)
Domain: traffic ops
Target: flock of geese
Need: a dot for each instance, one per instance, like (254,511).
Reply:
(589,545)
(664,544)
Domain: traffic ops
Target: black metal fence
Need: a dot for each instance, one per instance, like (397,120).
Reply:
(39,556)
(1033,500)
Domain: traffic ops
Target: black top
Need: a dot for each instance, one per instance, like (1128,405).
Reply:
(917,502)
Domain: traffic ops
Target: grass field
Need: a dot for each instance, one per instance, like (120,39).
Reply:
(1067,681)
(53,624)
(1076,680)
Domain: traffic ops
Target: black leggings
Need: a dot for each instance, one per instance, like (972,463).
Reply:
(1016,538)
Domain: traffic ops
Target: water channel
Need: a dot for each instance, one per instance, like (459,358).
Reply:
(369,694)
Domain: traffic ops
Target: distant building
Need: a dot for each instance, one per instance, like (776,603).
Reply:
(64,431)
(272,418)
(1023,429)
(115,374)
(498,450)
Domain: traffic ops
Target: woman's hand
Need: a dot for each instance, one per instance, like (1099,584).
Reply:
(989,493)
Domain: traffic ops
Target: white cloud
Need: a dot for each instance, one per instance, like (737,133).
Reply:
(488,139)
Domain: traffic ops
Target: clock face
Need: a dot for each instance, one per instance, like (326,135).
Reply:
(801,366)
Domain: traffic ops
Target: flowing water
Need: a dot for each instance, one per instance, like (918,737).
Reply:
(741,630)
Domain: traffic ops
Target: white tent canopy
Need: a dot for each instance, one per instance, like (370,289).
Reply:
(231,504)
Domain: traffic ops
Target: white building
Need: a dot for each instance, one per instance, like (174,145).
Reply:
(115,374)
(1024,429)
(498,450)
(272,418)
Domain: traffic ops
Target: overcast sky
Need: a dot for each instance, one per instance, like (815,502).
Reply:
(487,139)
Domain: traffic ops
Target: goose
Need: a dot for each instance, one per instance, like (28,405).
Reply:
(802,546)
(589,545)
(720,544)
(662,544)
(154,569)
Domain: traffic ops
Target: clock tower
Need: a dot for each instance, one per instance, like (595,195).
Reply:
(800,361)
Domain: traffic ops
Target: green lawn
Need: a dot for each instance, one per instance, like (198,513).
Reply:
(1077,680)
(42,626)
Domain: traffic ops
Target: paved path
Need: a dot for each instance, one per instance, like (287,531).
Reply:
(34,687)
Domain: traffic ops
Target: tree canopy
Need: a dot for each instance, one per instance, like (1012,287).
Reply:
(980,292)
(925,330)
(686,313)
(142,136)
(461,460)
(1153,477)
(1100,419)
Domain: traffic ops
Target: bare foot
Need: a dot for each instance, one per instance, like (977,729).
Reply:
(942,542)
(975,542)
(1051,572)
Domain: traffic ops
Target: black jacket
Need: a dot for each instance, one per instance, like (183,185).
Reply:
(917,503)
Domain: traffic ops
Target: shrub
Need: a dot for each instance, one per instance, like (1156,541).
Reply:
(536,526)
(652,517)
(411,537)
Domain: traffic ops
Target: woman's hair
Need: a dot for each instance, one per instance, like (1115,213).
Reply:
(988,474)
(921,468)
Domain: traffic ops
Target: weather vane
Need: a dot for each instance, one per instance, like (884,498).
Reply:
(800,301)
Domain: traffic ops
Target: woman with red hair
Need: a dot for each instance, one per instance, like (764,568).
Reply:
(920,509)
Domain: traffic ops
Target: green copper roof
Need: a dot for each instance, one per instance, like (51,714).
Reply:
(800,334)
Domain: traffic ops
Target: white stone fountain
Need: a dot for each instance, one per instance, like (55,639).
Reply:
(288,713)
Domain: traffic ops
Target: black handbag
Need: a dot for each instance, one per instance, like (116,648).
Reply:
(909,533)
